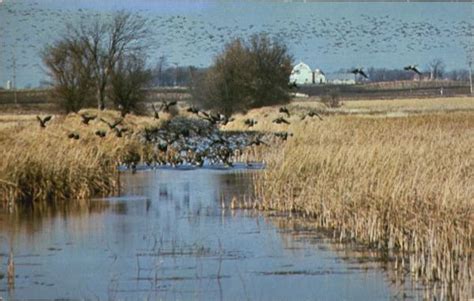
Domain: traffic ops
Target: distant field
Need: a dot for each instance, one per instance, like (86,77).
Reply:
(38,100)
(392,90)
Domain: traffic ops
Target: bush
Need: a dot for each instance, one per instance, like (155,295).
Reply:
(247,74)
(332,99)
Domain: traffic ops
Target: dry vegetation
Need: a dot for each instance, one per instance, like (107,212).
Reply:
(41,164)
(404,184)
(401,183)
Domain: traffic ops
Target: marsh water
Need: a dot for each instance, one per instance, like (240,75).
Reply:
(167,237)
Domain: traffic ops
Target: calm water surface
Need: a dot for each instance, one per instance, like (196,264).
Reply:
(167,237)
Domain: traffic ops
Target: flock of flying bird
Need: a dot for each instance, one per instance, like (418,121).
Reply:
(194,38)
(192,141)
(360,71)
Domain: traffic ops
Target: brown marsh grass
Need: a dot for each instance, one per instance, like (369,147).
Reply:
(403,184)
(40,164)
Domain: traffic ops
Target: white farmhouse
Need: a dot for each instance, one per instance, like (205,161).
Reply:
(301,74)
(319,77)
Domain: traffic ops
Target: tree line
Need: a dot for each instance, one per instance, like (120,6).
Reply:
(103,62)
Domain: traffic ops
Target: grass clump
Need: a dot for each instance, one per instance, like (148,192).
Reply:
(395,184)
(43,164)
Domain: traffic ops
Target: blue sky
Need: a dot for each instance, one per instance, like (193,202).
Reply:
(329,36)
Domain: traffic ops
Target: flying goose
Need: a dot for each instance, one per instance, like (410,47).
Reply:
(284,110)
(280,120)
(412,68)
(44,120)
(86,118)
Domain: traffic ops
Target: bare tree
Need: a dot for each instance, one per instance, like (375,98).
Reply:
(436,67)
(160,65)
(127,81)
(105,43)
(70,74)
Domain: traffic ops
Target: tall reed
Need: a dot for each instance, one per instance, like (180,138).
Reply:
(403,184)
(43,164)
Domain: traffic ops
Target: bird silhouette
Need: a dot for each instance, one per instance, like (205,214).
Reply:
(165,106)
(359,71)
(250,122)
(112,125)
(257,141)
(44,120)
(412,68)
(100,133)
(193,110)
(86,118)
(280,120)
(284,110)
(74,136)
(312,114)
(283,135)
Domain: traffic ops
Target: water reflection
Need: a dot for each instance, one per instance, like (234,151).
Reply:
(166,237)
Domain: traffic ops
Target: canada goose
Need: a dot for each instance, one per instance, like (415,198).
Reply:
(280,120)
(283,135)
(100,133)
(74,136)
(312,114)
(257,141)
(250,122)
(86,119)
(225,120)
(155,111)
(165,106)
(212,118)
(359,71)
(284,110)
(44,120)
(412,68)
(193,110)
(112,125)
(163,146)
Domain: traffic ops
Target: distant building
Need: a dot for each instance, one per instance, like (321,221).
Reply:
(303,75)
(341,79)
(319,77)
(8,86)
